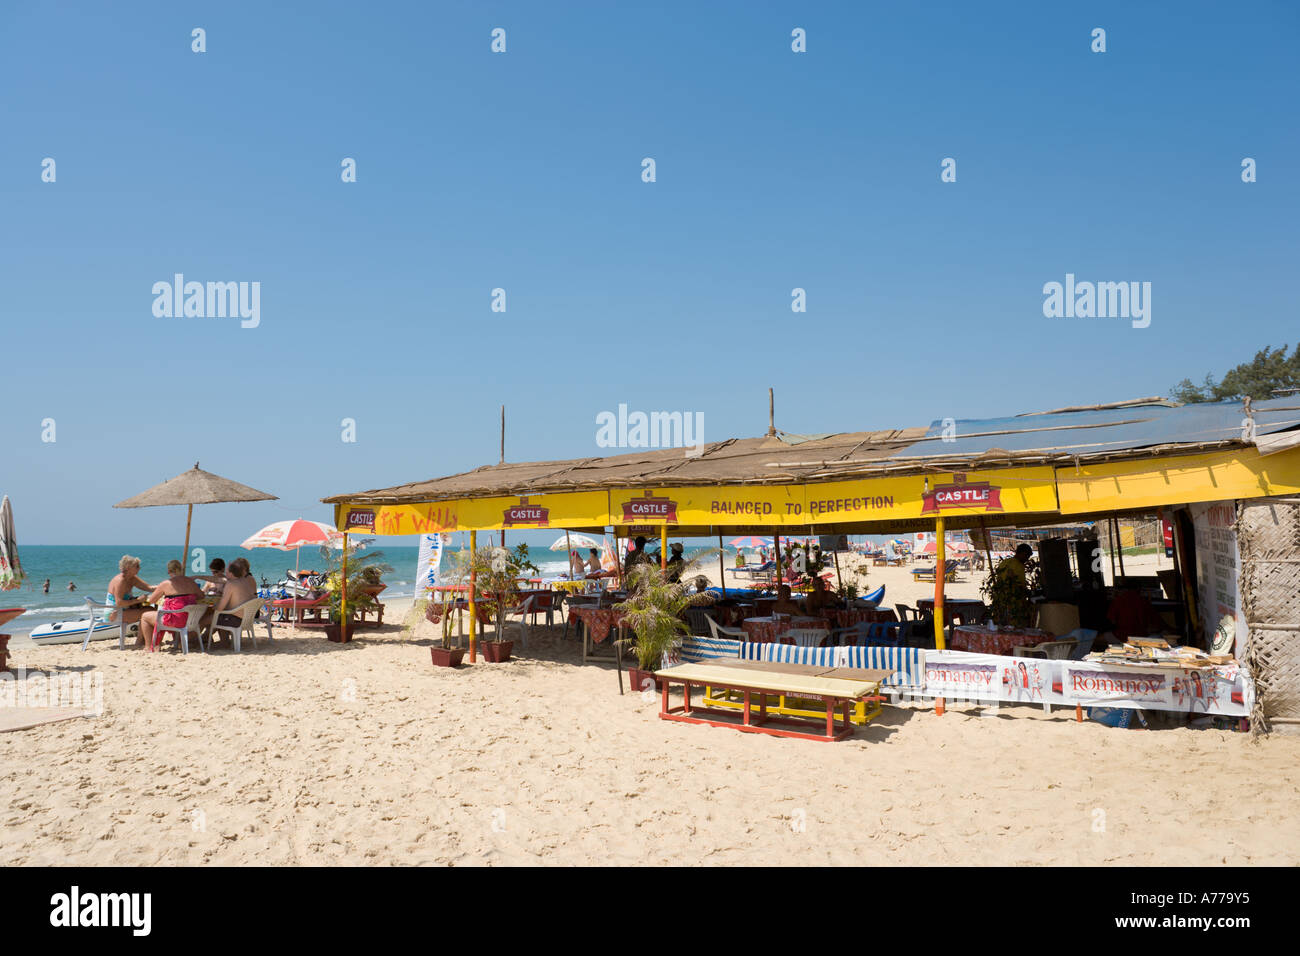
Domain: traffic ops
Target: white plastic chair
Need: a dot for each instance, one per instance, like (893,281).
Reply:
(807,636)
(523,610)
(248,614)
(103,614)
(193,614)
(726,633)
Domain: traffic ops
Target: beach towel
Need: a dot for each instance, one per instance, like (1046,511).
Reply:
(176,602)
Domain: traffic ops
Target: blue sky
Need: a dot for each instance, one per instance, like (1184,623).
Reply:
(522,171)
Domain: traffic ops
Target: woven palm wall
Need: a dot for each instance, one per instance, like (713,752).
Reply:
(1268,536)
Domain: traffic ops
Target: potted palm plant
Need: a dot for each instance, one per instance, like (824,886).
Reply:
(446,655)
(496,572)
(364,569)
(654,611)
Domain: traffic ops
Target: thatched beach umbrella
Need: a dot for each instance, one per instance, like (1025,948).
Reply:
(194,487)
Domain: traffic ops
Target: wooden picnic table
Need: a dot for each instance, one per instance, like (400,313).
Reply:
(835,687)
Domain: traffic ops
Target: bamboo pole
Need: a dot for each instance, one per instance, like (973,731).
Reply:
(663,547)
(345,631)
(939,555)
(1110,547)
(1119,547)
(776,551)
(473,588)
(722,570)
(185,555)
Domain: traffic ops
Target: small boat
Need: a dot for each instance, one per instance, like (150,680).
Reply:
(74,632)
(876,596)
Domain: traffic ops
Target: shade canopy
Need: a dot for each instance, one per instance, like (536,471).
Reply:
(291,535)
(194,487)
(575,540)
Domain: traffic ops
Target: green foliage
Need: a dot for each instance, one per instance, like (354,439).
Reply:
(496,572)
(1270,369)
(654,609)
(365,569)
(1007,598)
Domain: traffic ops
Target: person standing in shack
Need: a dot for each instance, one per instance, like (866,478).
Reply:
(676,564)
(636,556)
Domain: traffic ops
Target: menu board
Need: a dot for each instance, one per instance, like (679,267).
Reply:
(1218,566)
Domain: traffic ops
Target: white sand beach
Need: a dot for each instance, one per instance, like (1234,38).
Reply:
(309,752)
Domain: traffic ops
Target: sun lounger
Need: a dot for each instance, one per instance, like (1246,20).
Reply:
(793,686)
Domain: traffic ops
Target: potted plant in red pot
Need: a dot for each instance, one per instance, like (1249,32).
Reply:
(364,569)
(444,655)
(496,571)
(653,611)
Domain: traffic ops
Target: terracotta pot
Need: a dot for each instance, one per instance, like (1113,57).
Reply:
(338,633)
(447,656)
(497,652)
(636,678)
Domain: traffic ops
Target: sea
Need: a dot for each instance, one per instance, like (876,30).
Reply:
(91,567)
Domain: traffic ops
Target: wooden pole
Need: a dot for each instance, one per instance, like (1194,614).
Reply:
(185,555)
(988,550)
(473,589)
(771,414)
(939,555)
(568,548)
(663,547)
(344,630)
(1110,535)
(1119,546)
(722,570)
(776,550)
(839,581)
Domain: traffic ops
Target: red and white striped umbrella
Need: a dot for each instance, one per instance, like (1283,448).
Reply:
(291,535)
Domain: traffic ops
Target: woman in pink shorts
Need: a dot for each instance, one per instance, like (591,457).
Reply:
(176,593)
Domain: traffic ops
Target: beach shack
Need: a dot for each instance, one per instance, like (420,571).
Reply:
(1224,476)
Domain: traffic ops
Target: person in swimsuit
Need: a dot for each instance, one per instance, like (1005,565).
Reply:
(240,588)
(176,593)
(215,580)
(127,608)
(593,563)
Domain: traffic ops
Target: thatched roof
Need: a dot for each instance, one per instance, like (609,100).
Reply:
(734,461)
(194,487)
(1141,428)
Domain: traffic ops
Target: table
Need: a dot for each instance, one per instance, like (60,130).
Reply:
(863,615)
(596,625)
(834,687)
(770,628)
(980,640)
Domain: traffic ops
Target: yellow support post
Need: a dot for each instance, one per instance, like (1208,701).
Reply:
(663,547)
(473,586)
(939,575)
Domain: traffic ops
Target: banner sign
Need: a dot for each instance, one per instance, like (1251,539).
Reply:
(582,509)
(428,566)
(1218,567)
(1126,485)
(1226,691)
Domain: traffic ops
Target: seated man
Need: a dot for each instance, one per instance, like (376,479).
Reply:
(783,603)
(821,600)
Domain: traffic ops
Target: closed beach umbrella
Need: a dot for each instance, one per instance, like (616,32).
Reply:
(290,536)
(11,569)
(194,487)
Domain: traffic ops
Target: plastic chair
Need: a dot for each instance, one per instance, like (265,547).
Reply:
(102,614)
(193,614)
(523,610)
(248,613)
(906,613)
(854,634)
(545,604)
(697,618)
(807,636)
(884,634)
(1049,650)
(726,633)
